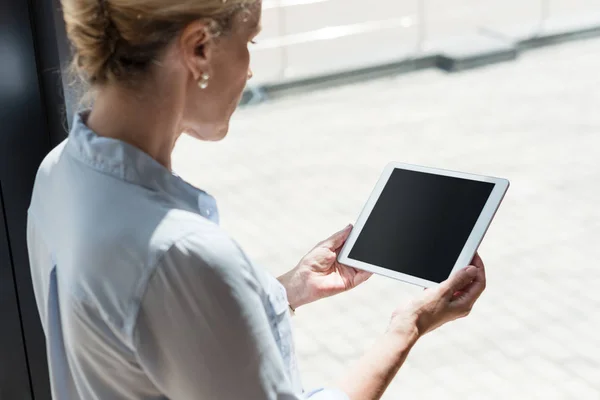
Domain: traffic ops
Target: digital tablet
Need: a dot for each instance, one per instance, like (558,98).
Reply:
(421,224)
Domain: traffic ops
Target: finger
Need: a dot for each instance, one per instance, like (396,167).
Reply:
(361,276)
(473,291)
(459,280)
(336,240)
(477,261)
(477,286)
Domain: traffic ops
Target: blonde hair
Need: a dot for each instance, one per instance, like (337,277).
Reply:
(118,40)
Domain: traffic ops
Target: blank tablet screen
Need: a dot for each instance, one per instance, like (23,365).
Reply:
(421,223)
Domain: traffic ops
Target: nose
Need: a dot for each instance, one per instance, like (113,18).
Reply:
(250,74)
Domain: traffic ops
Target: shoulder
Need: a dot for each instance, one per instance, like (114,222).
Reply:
(51,160)
(183,231)
(43,184)
(199,268)
(204,258)
(204,249)
(48,164)
(202,275)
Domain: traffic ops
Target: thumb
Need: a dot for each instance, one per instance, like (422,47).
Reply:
(337,239)
(460,280)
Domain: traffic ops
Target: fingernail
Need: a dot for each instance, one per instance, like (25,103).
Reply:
(471,270)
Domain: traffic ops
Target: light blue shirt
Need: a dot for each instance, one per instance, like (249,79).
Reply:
(140,292)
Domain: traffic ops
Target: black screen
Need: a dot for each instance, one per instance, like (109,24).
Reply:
(421,223)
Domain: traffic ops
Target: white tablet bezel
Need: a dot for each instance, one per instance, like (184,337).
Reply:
(468,251)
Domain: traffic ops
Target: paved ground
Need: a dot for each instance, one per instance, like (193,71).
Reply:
(295,170)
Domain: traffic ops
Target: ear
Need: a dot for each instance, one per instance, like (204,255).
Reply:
(196,46)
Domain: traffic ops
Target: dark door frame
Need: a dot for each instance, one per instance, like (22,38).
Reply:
(33,118)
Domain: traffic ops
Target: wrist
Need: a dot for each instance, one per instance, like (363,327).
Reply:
(406,338)
(405,327)
(292,282)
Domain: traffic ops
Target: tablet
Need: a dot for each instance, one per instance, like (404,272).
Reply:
(421,224)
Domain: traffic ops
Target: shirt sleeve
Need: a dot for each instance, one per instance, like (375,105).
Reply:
(202,330)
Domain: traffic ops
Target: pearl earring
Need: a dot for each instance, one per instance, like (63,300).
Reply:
(203,82)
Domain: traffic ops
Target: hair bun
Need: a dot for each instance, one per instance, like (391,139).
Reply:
(116,40)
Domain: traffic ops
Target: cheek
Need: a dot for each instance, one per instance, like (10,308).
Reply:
(244,64)
(231,75)
(239,73)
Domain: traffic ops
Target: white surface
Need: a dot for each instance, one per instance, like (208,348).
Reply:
(478,232)
(268,62)
(572,8)
(447,19)
(307,38)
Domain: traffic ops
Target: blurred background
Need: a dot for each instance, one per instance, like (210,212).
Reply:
(296,168)
(340,88)
(306,38)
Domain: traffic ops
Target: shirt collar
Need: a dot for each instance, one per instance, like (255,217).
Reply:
(128,163)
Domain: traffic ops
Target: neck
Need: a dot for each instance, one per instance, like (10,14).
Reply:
(149,125)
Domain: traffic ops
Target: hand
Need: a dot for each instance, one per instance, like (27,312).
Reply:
(320,275)
(451,300)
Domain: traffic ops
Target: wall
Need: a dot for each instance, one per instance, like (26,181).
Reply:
(305,38)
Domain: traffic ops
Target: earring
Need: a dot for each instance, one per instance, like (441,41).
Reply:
(203,82)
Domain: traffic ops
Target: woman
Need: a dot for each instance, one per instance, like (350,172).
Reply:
(141,294)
